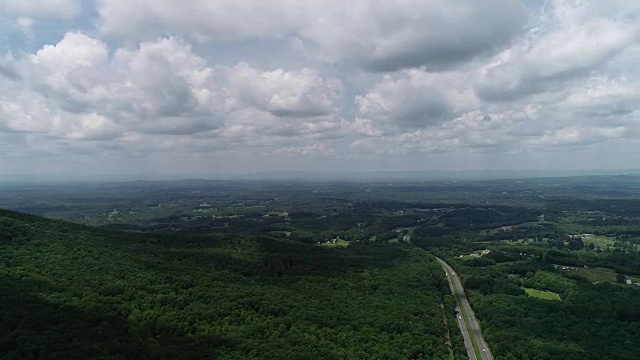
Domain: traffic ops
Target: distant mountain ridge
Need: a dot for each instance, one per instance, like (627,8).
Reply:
(322,175)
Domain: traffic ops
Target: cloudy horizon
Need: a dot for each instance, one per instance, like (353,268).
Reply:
(211,86)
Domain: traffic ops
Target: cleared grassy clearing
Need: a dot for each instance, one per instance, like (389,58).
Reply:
(541,294)
(600,274)
(474,255)
(597,274)
(338,243)
(599,242)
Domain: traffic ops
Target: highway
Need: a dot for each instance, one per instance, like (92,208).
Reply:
(467,321)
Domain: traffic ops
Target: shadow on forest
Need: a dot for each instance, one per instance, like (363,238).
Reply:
(34,328)
(258,255)
(294,258)
(269,256)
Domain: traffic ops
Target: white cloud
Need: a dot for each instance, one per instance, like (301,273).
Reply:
(603,99)
(26,25)
(79,89)
(159,87)
(201,19)
(268,108)
(568,82)
(377,35)
(71,65)
(303,93)
(569,40)
(299,79)
(31,113)
(88,126)
(413,99)
(392,35)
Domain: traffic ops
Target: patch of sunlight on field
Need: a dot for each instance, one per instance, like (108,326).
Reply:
(541,294)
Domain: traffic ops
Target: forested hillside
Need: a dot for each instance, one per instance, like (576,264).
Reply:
(73,292)
(304,270)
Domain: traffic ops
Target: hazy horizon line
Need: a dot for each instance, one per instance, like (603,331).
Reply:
(486,174)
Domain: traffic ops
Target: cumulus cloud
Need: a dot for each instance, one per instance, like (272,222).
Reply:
(201,19)
(410,78)
(473,131)
(435,34)
(376,35)
(569,40)
(413,99)
(293,94)
(567,82)
(79,89)
(275,106)
(30,113)
(159,86)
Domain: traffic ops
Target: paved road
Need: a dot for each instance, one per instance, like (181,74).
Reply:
(470,328)
(407,237)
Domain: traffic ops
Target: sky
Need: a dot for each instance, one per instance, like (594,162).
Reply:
(215,87)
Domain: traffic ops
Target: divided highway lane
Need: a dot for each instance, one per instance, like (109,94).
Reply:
(474,341)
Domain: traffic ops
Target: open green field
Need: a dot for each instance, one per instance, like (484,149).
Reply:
(597,274)
(540,294)
(600,274)
(599,242)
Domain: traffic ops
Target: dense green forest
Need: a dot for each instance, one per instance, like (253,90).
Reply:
(592,322)
(304,270)
(73,292)
(589,320)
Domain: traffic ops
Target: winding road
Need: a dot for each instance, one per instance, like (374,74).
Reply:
(473,340)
